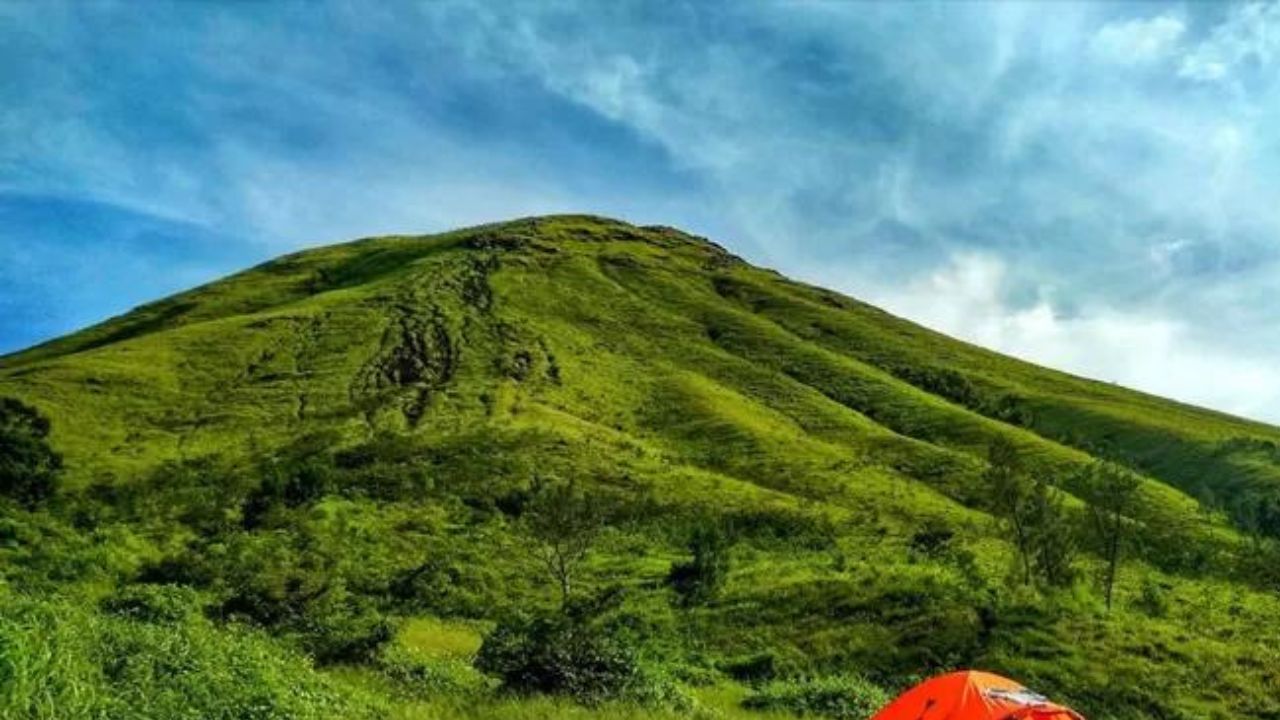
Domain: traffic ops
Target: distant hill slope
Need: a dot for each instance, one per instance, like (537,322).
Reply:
(646,331)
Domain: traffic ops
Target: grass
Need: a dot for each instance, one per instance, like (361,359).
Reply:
(435,639)
(660,374)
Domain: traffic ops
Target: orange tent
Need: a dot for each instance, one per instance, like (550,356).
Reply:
(973,695)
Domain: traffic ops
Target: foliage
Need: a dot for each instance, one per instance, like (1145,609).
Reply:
(275,482)
(29,468)
(1152,598)
(1053,534)
(844,697)
(933,539)
(562,525)
(702,577)
(1112,492)
(164,604)
(572,652)
(59,660)
(1034,513)
(425,679)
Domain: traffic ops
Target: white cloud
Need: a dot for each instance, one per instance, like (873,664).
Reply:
(1251,34)
(965,298)
(1164,254)
(1138,41)
(877,136)
(1199,66)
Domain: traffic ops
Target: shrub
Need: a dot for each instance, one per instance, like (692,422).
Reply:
(753,668)
(701,578)
(557,654)
(343,628)
(453,582)
(422,679)
(29,468)
(330,623)
(153,603)
(772,525)
(844,697)
(933,539)
(1153,599)
(567,654)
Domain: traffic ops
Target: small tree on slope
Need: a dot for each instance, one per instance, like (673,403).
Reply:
(1111,491)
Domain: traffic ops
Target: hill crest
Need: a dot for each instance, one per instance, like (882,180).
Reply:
(433,285)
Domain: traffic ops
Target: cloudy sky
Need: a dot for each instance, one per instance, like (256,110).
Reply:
(1094,187)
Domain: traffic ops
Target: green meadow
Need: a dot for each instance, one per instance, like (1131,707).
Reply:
(567,467)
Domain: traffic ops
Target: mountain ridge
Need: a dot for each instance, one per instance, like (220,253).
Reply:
(312,275)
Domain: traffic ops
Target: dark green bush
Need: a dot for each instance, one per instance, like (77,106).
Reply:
(1153,599)
(296,585)
(557,654)
(452,583)
(153,603)
(579,657)
(753,668)
(783,526)
(343,628)
(845,697)
(29,468)
(330,623)
(702,577)
(932,539)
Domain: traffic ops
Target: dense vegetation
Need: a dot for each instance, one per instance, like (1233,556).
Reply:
(569,467)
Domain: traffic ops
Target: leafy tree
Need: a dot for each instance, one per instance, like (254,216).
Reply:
(29,468)
(1052,534)
(1258,514)
(1111,491)
(1010,493)
(1033,511)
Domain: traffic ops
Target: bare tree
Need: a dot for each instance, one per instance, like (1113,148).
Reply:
(563,525)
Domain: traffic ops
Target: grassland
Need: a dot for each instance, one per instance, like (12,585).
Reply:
(335,450)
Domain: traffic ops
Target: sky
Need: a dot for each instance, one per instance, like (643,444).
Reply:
(1094,187)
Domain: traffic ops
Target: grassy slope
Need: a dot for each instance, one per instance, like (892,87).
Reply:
(657,361)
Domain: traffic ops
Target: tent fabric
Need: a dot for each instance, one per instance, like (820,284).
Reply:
(973,695)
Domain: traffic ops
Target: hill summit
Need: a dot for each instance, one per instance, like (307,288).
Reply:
(424,388)
(581,322)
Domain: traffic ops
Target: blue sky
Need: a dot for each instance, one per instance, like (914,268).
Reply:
(1092,186)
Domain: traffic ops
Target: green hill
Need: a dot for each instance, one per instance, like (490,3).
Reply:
(348,443)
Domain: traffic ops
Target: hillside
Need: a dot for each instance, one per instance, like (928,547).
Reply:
(383,412)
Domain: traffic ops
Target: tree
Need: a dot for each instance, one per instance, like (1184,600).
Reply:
(1111,491)
(1033,511)
(563,525)
(1052,534)
(29,468)
(1010,490)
